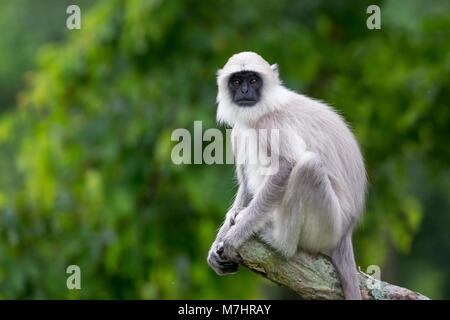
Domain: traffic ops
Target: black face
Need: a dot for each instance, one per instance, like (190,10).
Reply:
(245,88)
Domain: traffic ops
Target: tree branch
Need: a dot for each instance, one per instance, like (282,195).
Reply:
(313,276)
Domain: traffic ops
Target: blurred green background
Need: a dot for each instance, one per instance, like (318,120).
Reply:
(86,117)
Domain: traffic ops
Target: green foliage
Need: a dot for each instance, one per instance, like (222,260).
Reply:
(85,156)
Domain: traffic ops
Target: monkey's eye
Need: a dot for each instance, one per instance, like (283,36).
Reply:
(236,83)
(253,81)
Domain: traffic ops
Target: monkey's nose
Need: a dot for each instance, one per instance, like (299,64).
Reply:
(244,88)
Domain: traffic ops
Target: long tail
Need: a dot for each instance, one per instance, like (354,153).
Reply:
(344,261)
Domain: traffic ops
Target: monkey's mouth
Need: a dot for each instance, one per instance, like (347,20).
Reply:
(246,103)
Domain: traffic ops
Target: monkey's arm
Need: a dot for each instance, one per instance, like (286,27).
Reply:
(243,196)
(252,218)
(242,199)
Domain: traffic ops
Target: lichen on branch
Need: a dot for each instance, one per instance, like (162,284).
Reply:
(313,276)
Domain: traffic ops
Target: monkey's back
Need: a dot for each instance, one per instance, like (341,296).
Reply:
(326,133)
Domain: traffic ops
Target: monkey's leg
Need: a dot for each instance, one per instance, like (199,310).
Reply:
(310,214)
(308,192)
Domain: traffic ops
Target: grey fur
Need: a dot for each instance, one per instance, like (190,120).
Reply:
(317,194)
(243,197)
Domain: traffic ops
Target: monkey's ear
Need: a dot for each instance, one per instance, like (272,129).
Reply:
(274,68)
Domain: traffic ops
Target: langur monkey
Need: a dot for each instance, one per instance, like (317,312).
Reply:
(316,195)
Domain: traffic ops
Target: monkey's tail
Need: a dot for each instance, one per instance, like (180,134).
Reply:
(344,261)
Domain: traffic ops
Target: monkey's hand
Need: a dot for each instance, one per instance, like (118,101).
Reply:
(219,264)
(234,238)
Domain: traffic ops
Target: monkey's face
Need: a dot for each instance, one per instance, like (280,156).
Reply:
(245,88)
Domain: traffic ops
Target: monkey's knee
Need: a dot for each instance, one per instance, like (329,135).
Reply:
(308,157)
(309,166)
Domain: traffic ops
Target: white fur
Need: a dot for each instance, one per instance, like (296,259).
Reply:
(325,191)
(227,111)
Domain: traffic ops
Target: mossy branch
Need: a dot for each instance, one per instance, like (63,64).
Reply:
(313,276)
